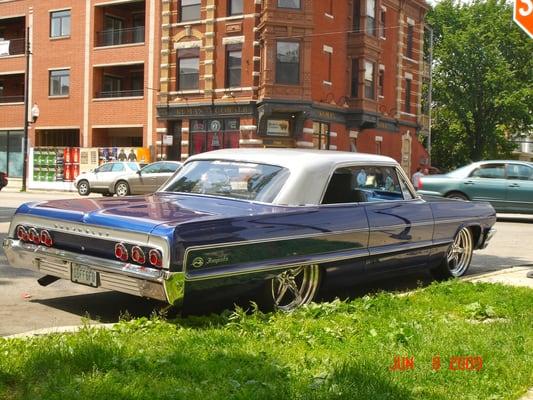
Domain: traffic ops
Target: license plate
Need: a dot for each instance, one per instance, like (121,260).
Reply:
(84,275)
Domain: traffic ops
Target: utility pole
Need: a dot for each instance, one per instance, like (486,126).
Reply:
(26,110)
(430,91)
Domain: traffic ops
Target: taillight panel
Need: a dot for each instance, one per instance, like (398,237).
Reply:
(124,252)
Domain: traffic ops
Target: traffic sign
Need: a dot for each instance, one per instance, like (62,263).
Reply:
(523,15)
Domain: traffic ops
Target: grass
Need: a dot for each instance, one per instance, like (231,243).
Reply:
(330,350)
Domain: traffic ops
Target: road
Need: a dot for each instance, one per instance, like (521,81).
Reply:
(24,305)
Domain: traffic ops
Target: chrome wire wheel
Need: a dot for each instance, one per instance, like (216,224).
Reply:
(295,287)
(460,253)
(122,189)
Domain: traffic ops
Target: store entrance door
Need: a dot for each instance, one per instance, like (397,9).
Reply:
(11,159)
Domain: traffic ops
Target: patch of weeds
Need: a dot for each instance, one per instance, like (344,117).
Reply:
(479,311)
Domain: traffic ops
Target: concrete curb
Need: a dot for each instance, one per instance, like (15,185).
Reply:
(58,329)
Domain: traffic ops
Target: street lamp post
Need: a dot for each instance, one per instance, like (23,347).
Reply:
(26,109)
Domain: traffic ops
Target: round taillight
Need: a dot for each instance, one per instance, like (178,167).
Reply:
(46,238)
(22,233)
(155,258)
(137,255)
(34,236)
(121,252)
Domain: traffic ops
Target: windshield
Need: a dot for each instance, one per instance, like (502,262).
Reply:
(238,180)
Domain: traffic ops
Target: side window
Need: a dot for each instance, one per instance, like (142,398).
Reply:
(169,167)
(104,168)
(365,184)
(118,167)
(521,172)
(490,171)
(152,168)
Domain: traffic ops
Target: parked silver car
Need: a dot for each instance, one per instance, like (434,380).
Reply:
(104,178)
(147,180)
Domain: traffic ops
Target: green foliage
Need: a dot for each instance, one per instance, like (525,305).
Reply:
(341,349)
(483,81)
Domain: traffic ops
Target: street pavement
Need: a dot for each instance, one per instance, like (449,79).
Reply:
(26,306)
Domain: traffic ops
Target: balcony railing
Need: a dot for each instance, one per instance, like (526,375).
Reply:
(120,93)
(114,37)
(12,47)
(12,99)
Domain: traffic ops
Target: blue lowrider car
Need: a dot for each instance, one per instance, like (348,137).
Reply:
(268,224)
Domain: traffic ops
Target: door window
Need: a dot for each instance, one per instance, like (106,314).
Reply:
(152,169)
(364,184)
(118,167)
(104,168)
(490,171)
(169,167)
(519,171)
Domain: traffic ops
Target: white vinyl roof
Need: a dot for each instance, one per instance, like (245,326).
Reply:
(310,170)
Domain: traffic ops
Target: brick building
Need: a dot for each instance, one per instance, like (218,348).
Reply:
(338,75)
(92,74)
(187,76)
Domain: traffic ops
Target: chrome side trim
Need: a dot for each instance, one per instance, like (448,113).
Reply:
(114,275)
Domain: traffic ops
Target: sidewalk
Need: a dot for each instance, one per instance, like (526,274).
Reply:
(514,276)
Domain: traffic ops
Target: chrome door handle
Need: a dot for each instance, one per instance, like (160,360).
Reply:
(514,185)
(469,182)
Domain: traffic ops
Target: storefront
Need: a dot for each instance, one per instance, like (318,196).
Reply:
(213,134)
(11,159)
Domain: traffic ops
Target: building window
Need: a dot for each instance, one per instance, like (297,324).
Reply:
(381,82)
(408,96)
(355,77)
(382,24)
(289,4)
(378,147)
(288,63)
(59,82)
(369,80)
(188,69)
(233,65)
(190,10)
(329,57)
(112,86)
(207,135)
(235,7)
(321,136)
(370,25)
(60,23)
(113,31)
(356,15)
(409,47)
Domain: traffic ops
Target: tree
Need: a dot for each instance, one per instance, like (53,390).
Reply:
(482,81)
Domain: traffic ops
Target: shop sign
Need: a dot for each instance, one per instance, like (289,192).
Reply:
(168,140)
(207,111)
(278,127)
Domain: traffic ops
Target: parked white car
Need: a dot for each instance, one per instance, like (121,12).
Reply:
(104,178)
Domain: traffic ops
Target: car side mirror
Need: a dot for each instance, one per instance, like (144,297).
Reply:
(139,172)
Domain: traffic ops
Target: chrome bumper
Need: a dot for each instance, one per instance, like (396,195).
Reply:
(114,275)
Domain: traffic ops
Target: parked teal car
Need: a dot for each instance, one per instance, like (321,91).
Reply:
(507,185)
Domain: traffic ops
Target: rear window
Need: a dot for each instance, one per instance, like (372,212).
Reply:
(238,180)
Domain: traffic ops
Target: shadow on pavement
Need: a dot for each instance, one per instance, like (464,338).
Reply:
(105,307)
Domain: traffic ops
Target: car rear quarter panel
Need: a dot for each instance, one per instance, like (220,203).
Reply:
(452,215)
